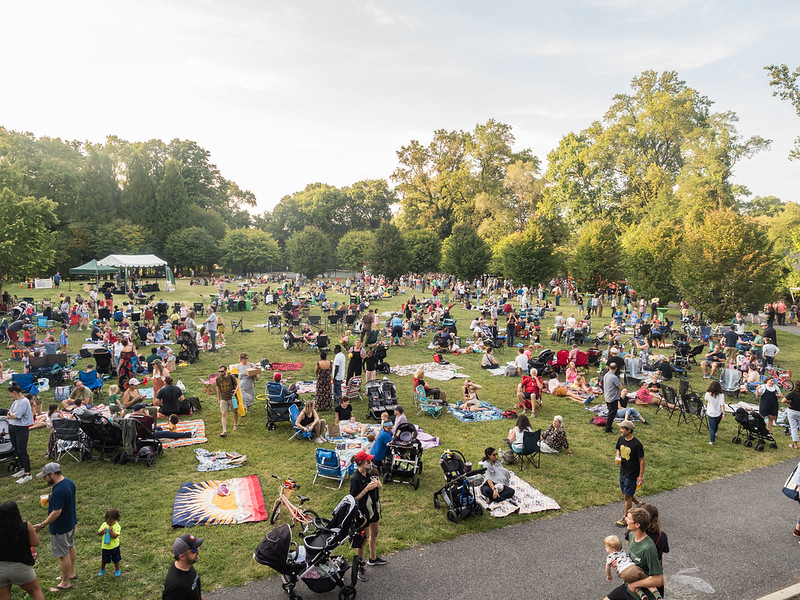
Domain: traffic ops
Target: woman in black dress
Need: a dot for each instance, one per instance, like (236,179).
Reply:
(356,365)
(768,402)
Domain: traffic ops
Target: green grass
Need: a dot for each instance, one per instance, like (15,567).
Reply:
(676,456)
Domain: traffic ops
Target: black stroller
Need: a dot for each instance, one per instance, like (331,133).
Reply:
(104,437)
(279,405)
(404,461)
(313,562)
(544,363)
(380,355)
(752,423)
(381,396)
(189,352)
(458,493)
(145,447)
(6,448)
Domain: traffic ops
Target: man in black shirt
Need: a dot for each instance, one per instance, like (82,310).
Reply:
(172,401)
(769,332)
(630,458)
(664,369)
(731,340)
(183,582)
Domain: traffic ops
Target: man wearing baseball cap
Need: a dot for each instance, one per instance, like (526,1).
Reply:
(182,580)
(630,458)
(62,517)
(365,485)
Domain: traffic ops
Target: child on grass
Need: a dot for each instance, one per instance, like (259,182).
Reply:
(113,398)
(370,366)
(626,569)
(110,530)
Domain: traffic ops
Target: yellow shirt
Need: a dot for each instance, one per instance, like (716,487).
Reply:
(114,541)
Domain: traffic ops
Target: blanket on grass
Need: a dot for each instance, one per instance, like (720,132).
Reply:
(492,413)
(219,460)
(527,499)
(286,366)
(200,438)
(201,504)
(306,387)
(433,370)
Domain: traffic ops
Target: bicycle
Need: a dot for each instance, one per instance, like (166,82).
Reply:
(306,517)
(783,378)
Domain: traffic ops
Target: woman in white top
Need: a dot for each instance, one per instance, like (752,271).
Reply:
(715,409)
(522,425)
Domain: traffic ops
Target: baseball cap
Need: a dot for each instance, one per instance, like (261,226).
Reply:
(362,456)
(388,423)
(185,543)
(139,406)
(133,381)
(627,425)
(614,350)
(49,469)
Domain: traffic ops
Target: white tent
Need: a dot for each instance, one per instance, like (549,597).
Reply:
(131,261)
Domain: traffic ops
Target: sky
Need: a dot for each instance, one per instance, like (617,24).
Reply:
(283,94)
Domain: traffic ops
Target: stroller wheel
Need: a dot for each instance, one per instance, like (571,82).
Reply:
(415,483)
(748,443)
(759,447)
(348,592)
(387,478)
(151,459)
(452,516)
(123,458)
(773,445)
(270,426)
(736,439)
(477,509)
(13,467)
(295,597)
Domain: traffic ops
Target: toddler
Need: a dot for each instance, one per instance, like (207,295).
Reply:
(626,569)
(110,530)
(370,366)
(113,397)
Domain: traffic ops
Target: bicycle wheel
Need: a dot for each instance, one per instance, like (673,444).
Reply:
(788,385)
(276,510)
(311,526)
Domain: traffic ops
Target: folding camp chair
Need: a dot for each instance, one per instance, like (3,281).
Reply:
(428,406)
(731,382)
(693,411)
(210,384)
(294,412)
(26,382)
(274,322)
(633,370)
(236,324)
(530,450)
(315,320)
(90,379)
(671,402)
(353,389)
(68,439)
(329,466)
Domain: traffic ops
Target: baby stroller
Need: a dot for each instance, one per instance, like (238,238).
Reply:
(380,355)
(189,352)
(404,462)
(544,363)
(312,562)
(142,445)
(458,493)
(278,405)
(752,423)
(6,449)
(381,396)
(104,437)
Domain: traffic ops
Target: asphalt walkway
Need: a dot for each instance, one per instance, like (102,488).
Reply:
(730,539)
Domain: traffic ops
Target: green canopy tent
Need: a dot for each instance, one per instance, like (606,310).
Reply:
(92,268)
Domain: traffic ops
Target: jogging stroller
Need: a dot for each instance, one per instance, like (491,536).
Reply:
(278,405)
(380,355)
(381,396)
(189,352)
(404,462)
(104,437)
(752,423)
(458,493)
(312,562)
(6,448)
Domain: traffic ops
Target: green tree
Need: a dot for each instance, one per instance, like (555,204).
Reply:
(526,257)
(649,251)
(309,251)
(727,264)
(787,84)
(118,236)
(192,247)
(171,202)
(26,248)
(249,251)
(424,250)
(387,255)
(761,206)
(783,229)
(353,249)
(595,257)
(464,253)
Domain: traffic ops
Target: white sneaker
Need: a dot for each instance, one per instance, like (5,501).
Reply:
(320,440)
(24,479)
(19,473)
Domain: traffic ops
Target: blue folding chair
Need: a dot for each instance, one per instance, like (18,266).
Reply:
(90,379)
(26,382)
(329,466)
(294,412)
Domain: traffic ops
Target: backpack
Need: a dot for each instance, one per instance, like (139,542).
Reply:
(511,371)
(599,421)
(509,414)
(195,402)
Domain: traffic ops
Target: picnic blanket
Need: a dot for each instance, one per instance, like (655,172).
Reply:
(527,499)
(200,438)
(492,414)
(200,504)
(286,366)
(496,371)
(219,460)
(306,387)
(433,370)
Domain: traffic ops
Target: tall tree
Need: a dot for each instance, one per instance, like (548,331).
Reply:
(249,251)
(309,251)
(787,87)
(595,258)
(727,264)
(171,202)
(26,248)
(649,251)
(117,236)
(424,250)
(464,253)
(526,257)
(353,249)
(195,247)
(387,255)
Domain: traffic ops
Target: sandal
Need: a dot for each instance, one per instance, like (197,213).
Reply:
(58,588)
(73,578)
(223,434)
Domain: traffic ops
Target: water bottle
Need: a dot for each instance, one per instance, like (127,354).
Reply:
(107,536)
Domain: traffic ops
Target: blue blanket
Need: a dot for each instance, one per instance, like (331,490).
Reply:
(491,413)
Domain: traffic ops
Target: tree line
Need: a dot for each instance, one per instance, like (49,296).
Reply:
(644,193)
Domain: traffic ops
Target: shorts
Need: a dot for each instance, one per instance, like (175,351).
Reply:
(61,543)
(526,395)
(15,573)
(111,556)
(620,593)
(627,485)
(226,405)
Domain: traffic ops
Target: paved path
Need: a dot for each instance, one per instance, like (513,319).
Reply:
(731,539)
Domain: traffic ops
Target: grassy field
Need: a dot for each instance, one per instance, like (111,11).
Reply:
(676,456)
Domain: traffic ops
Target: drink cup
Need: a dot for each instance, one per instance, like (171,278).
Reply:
(618,460)
(44,499)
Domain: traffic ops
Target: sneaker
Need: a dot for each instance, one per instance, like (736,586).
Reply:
(362,574)
(706,377)
(19,473)
(621,523)
(710,443)
(117,573)
(796,533)
(101,572)
(24,479)
(377,562)
(320,440)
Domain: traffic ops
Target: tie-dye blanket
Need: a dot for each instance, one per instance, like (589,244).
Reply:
(198,438)
(202,504)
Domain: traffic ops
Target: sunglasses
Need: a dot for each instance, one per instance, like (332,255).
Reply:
(222,370)
(196,550)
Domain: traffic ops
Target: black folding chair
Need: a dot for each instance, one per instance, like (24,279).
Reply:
(671,402)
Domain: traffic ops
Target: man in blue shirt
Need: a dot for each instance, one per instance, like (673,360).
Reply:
(380,447)
(61,520)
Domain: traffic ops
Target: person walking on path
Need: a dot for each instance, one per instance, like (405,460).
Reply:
(630,458)
(227,386)
(182,581)
(613,391)
(643,552)
(715,409)
(62,518)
